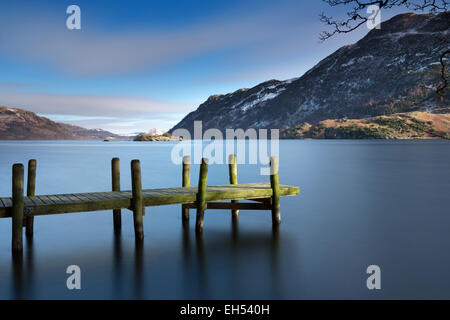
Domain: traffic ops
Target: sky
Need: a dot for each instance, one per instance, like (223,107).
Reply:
(137,65)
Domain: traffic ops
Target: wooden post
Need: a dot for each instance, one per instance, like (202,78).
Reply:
(186,183)
(17,207)
(136,185)
(115,174)
(31,191)
(274,183)
(201,195)
(232,168)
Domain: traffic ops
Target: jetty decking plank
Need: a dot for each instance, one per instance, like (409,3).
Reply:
(86,197)
(28,202)
(36,200)
(7,202)
(55,199)
(46,200)
(82,197)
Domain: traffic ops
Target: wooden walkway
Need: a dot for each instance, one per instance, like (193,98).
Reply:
(86,202)
(22,209)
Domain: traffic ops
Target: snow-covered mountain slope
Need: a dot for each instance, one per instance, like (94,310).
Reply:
(392,69)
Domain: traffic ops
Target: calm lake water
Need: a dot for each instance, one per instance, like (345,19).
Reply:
(361,203)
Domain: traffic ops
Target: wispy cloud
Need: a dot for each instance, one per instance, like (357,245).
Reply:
(118,114)
(121,125)
(92,51)
(88,105)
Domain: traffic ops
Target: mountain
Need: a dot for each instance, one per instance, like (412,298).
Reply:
(19,124)
(391,70)
(90,133)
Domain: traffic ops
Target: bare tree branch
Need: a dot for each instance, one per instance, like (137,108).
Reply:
(356,17)
(444,83)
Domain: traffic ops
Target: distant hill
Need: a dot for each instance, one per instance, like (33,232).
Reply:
(19,124)
(394,69)
(90,133)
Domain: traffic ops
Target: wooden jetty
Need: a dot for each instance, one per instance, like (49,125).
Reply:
(22,209)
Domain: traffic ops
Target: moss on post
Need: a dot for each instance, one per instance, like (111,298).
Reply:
(232,169)
(137,203)
(274,183)
(31,191)
(17,207)
(201,195)
(115,174)
(186,183)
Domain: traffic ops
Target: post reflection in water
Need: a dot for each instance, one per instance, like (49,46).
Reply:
(275,261)
(202,270)
(186,284)
(22,273)
(235,230)
(30,265)
(121,276)
(221,260)
(117,279)
(234,269)
(17,275)
(138,268)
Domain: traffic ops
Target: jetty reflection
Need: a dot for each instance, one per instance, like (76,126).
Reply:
(228,251)
(212,264)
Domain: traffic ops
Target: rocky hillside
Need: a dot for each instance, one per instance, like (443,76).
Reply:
(409,125)
(391,70)
(19,124)
(156,137)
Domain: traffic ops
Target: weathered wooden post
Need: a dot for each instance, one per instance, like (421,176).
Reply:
(31,190)
(274,183)
(186,183)
(201,195)
(115,174)
(232,168)
(137,203)
(17,207)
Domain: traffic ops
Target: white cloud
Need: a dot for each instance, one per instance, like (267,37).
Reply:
(122,125)
(88,105)
(114,113)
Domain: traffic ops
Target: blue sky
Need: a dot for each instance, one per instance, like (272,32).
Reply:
(136,65)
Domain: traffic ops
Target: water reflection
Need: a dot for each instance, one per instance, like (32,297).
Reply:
(138,268)
(118,264)
(234,230)
(29,265)
(17,275)
(185,241)
(186,252)
(275,261)
(201,265)
(220,263)
(219,259)
(120,272)
(229,256)
(23,271)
